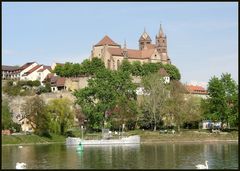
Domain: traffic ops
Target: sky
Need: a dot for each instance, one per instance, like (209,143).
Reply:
(202,36)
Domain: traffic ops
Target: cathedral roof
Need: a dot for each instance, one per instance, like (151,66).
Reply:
(150,46)
(107,41)
(160,33)
(132,53)
(145,36)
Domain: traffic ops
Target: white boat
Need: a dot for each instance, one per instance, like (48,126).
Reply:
(135,139)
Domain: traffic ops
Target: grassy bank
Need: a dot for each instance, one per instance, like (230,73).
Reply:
(146,137)
(31,139)
(184,136)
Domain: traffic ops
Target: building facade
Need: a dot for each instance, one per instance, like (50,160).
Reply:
(112,54)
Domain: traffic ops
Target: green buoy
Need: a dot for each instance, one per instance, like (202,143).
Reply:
(80,147)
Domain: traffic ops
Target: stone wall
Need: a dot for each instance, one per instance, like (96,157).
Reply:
(16,102)
(72,84)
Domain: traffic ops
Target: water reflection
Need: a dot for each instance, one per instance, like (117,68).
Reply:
(144,156)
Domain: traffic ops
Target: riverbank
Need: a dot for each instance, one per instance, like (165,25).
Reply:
(186,136)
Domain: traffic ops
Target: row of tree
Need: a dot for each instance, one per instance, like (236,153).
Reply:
(137,69)
(90,67)
(110,100)
(86,68)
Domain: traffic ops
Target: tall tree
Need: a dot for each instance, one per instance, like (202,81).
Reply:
(222,103)
(176,104)
(155,96)
(62,115)
(35,111)
(98,98)
(6,115)
(125,106)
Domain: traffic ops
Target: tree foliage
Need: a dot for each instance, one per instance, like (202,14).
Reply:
(155,97)
(222,104)
(106,92)
(61,114)
(6,116)
(34,110)
(86,68)
(181,108)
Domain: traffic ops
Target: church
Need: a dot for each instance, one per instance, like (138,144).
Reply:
(112,53)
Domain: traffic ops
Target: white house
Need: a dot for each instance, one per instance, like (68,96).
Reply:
(25,68)
(39,72)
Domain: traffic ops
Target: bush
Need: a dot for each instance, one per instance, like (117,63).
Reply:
(16,127)
(70,134)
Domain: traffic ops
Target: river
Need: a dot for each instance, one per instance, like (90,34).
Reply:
(144,156)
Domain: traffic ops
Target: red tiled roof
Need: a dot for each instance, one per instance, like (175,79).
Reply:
(196,89)
(60,81)
(150,46)
(147,53)
(32,70)
(132,53)
(45,67)
(26,65)
(107,41)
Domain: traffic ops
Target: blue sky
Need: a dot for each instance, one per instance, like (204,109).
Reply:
(202,37)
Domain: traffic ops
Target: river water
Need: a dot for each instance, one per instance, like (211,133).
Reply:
(144,156)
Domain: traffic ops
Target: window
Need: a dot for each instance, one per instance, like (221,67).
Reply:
(118,64)
(109,62)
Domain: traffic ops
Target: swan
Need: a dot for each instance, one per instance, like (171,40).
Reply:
(20,146)
(201,166)
(21,165)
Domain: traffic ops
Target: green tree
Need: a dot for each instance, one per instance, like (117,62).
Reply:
(61,114)
(148,68)
(59,70)
(98,98)
(126,66)
(136,69)
(178,108)
(6,116)
(222,103)
(34,110)
(96,65)
(125,106)
(155,97)
(173,71)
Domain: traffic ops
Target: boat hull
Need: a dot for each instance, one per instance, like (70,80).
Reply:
(127,140)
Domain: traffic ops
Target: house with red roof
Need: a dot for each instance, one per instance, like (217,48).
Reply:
(38,72)
(197,91)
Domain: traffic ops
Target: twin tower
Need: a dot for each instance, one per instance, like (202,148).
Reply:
(145,41)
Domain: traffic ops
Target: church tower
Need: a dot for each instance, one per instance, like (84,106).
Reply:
(144,40)
(161,41)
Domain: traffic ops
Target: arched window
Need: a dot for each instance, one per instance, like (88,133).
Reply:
(118,64)
(109,62)
(113,65)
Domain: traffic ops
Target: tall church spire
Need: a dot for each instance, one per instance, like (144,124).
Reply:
(160,33)
(125,53)
(144,40)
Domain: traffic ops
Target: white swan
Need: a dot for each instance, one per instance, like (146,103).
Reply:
(21,165)
(20,146)
(201,166)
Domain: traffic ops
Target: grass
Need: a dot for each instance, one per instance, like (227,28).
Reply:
(33,139)
(146,137)
(184,135)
